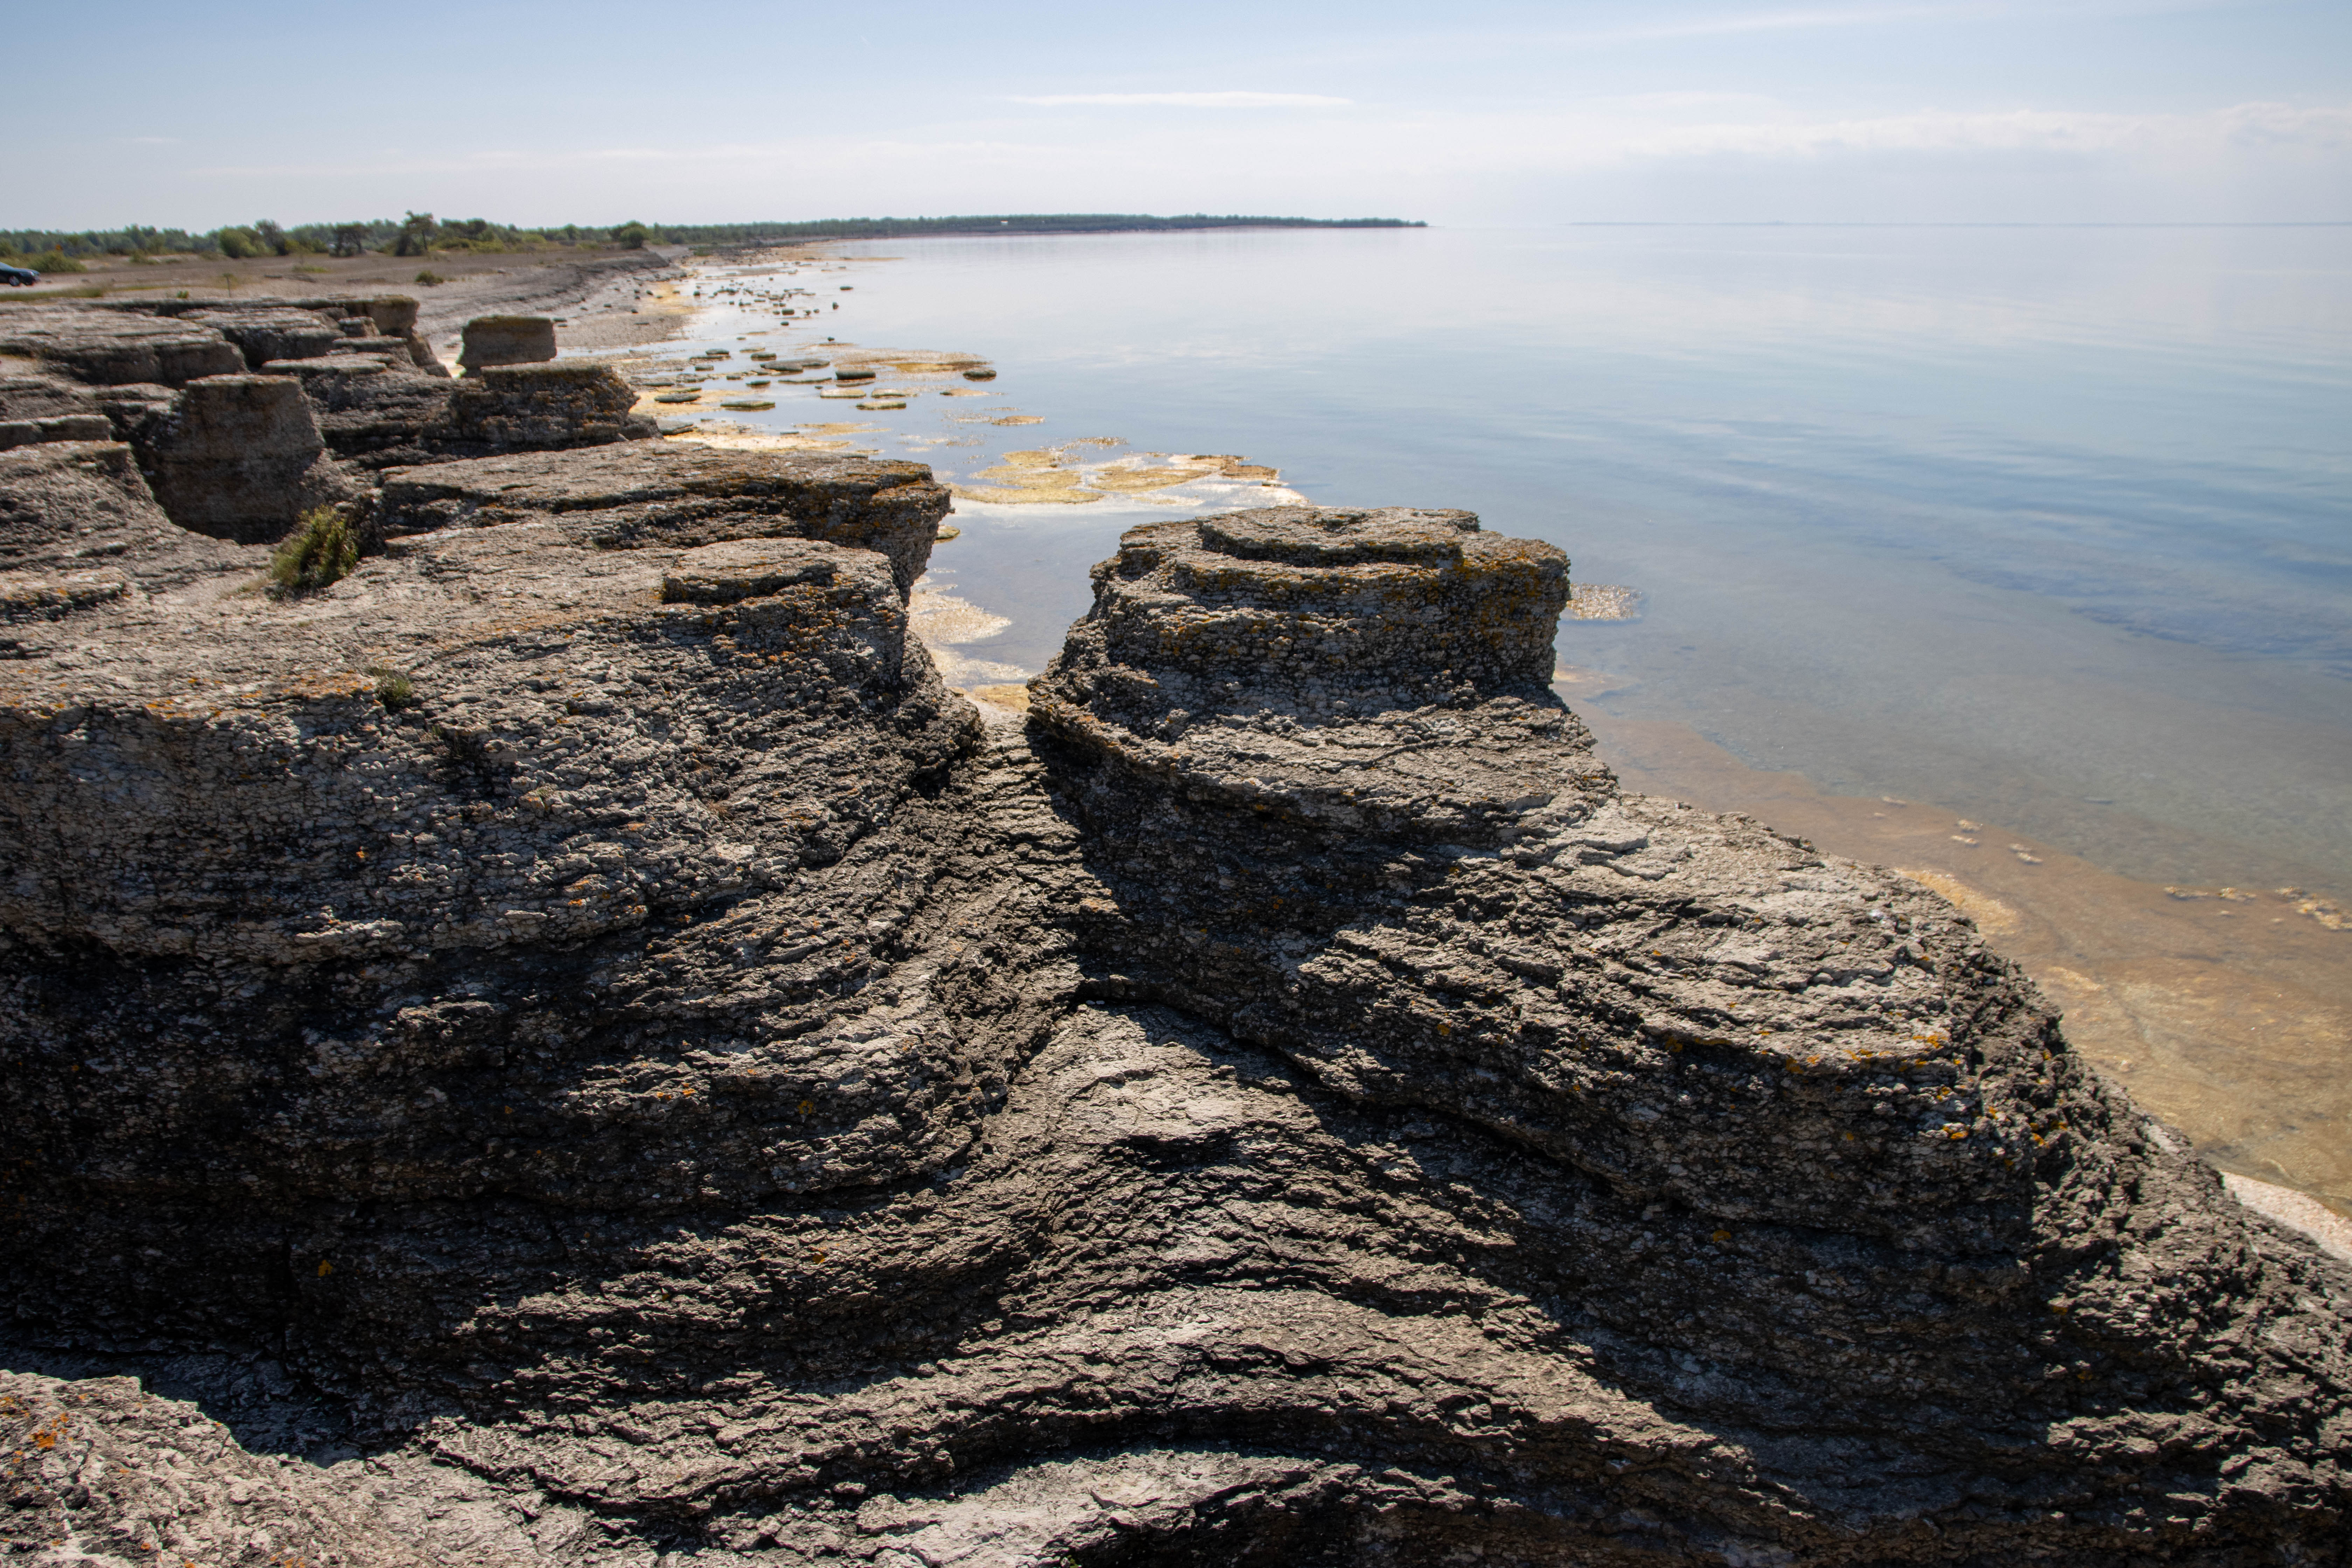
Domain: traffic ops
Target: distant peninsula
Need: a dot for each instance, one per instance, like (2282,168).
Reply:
(1009,223)
(420,234)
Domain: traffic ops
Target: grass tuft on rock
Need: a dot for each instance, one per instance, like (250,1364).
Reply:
(393,689)
(323,549)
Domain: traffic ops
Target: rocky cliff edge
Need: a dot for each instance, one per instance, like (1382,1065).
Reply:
(576,1048)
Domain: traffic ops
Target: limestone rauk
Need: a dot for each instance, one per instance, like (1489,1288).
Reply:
(573,1031)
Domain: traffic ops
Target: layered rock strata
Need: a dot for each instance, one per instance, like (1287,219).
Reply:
(617,496)
(506,339)
(577,1031)
(246,415)
(240,457)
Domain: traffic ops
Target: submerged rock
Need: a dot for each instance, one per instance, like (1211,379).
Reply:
(660,1073)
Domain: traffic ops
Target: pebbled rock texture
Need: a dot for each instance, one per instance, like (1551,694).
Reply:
(574,1039)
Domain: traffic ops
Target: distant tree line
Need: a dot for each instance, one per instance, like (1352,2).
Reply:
(420,234)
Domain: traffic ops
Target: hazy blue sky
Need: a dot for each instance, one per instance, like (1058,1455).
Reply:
(1477,113)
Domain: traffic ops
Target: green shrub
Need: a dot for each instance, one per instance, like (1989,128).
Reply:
(323,549)
(393,689)
(632,236)
(54,261)
(238,244)
(429,278)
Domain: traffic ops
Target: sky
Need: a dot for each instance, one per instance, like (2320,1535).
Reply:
(1475,114)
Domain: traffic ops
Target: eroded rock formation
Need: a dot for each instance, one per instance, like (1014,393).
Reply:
(246,415)
(575,1031)
(506,339)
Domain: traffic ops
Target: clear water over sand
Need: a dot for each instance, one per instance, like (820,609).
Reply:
(2045,530)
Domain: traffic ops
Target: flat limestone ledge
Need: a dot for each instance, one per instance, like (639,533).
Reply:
(677,492)
(210,770)
(111,348)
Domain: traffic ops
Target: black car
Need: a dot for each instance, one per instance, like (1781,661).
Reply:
(19,277)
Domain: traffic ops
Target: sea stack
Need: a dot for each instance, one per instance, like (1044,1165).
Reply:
(575,1031)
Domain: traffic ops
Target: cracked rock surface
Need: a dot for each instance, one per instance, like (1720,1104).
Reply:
(577,1050)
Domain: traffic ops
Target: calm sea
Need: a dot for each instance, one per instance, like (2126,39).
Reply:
(2048,526)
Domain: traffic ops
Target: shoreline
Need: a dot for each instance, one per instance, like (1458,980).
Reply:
(2221,1013)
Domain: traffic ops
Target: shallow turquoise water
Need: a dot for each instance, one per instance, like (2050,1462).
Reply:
(2050,526)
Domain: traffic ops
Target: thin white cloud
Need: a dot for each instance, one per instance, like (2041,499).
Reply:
(2272,125)
(1782,21)
(1190,100)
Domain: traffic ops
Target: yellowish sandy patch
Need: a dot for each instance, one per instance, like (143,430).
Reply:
(1604,602)
(1993,917)
(1011,696)
(1055,475)
(2297,1210)
(1134,476)
(942,619)
(743,439)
